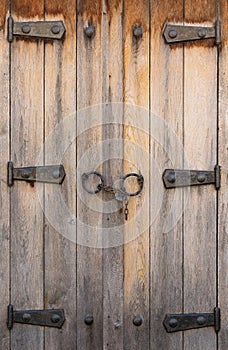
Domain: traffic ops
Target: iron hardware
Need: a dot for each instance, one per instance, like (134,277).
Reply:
(121,190)
(49,318)
(181,178)
(89,31)
(183,322)
(39,30)
(49,174)
(88,320)
(180,33)
(137,321)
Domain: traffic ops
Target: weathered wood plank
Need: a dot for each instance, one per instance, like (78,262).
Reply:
(26,143)
(166,130)
(136,151)
(112,91)
(60,232)
(4,191)
(89,135)
(223,192)
(200,129)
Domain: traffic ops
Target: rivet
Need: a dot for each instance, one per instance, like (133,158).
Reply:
(201,177)
(172,33)
(25,173)
(56,174)
(201,320)
(171,177)
(137,321)
(26,28)
(55,29)
(173,322)
(89,31)
(88,320)
(55,318)
(26,317)
(137,32)
(202,33)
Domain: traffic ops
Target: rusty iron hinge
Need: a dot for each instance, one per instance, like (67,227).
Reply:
(49,318)
(181,178)
(50,174)
(39,30)
(183,322)
(174,33)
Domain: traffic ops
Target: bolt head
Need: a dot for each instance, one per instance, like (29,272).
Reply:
(26,317)
(26,28)
(25,173)
(172,33)
(201,177)
(55,318)
(137,32)
(173,322)
(137,321)
(55,29)
(56,174)
(202,33)
(89,31)
(201,320)
(171,177)
(88,320)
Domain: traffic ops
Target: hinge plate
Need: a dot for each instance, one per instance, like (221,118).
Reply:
(50,174)
(181,178)
(40,29)
(48,318)
(183,322)
(181,33)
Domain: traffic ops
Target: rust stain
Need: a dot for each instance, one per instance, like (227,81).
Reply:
(28,8)
(3,12)
(163,12)
(66,8)
(113,6)
(200,11)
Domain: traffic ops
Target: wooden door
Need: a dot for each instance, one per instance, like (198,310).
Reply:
(112,97)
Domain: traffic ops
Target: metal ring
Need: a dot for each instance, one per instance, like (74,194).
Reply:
(99,186)
(140,180)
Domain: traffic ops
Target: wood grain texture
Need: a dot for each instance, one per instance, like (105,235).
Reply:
(136,150)
(26,212)
(89,134)
(166,134)
(112,91)
(60,232)
(4,191)
(200,142)
(223,192)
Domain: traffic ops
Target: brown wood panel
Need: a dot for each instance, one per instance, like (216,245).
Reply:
(4,191)
(60,201)
(136,151)
(112,155)
(223,192)
(26,143)
(166,129)
(200,143)
(89,134)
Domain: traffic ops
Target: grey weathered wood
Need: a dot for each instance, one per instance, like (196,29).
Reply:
(89,257)
(223,192)
(4,191)
(112,91)
(136,151)
(200,144)
(60,231)
(166,128)
(26,143)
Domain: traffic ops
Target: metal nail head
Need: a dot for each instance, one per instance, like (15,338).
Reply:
(26,28)
(89,31)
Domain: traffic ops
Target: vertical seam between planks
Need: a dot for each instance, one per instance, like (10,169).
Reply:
(150,164)
(43,200)
(10,151)
(76,177)
(183,164)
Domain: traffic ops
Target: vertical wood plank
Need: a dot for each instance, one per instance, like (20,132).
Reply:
(112,91)
(223,192)
(89,257)
(4,191)
(136,150)
(60,237)
(200,129)
(166,69)
(26,143)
